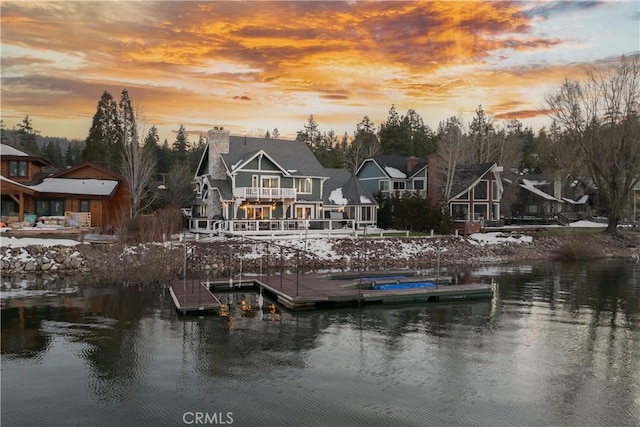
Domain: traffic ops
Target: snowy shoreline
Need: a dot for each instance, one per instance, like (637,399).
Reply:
(161,262)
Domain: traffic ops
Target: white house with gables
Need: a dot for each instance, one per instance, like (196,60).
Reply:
(266,186)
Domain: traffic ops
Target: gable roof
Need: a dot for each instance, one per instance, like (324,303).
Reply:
(295,157)
(88,187)
(395,166)
(344,188)
(12,152)
(89,165)
(530,185)
(466,176)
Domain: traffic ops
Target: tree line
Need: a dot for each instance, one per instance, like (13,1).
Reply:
(594,134)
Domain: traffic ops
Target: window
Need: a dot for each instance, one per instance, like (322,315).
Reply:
(9,207)
(303,185)
(367,213)
(495,211)
(258,212)
(270,182)
(84,206)
(479,212)
(459,210)
(481,190)
(18,168)
(50,207)
(384,185)
(418,184)
(398,185)
(303,212)
(496,193)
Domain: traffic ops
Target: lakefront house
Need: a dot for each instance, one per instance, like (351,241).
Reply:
(261,186)
(86,196)
(476,189)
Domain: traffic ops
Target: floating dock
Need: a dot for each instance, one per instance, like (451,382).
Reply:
(193,297)
(316,291)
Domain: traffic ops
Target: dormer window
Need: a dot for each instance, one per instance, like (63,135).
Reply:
(18,168)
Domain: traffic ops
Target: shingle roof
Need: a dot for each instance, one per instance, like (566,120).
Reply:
(351,188)
(290,155)
(399,163)
(466,175)
(223,186)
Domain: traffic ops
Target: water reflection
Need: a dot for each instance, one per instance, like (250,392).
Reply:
(558,344)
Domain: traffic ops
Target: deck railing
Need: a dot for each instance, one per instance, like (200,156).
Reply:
(262,193)
(277,226)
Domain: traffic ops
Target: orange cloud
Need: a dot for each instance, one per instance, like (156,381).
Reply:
(190,62)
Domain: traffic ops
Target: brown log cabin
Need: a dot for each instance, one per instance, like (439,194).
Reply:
(26,188)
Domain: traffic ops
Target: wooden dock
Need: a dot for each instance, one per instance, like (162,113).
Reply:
(193,297)
(313,291)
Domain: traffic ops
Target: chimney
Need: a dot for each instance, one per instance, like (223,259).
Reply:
(411,163)
(218,141)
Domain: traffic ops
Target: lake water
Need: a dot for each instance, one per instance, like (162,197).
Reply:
(557,345)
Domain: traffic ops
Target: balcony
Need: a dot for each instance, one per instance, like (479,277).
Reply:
(261,193)
(405,193)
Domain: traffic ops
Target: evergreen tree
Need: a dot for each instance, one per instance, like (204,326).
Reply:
(105,140)
(275,134)
(53,154)
(164,158)
(5,134)
(422,138)
(195,153)
(394,135)
(311,133)
(27,137)
(151,144)
(180,146)
(127,119)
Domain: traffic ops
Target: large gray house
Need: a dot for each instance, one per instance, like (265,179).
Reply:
(267,185)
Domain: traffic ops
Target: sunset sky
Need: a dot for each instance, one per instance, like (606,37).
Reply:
(256,66)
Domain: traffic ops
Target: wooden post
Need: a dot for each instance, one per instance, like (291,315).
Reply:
(281,267)
(297,269)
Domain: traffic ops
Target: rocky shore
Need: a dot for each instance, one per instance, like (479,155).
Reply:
(159,263)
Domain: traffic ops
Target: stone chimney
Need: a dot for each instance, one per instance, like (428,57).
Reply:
(411,163)
(218,141)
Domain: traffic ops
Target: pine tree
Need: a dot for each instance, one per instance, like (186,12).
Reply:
(105,140)
(127,119)
(394,137)
(180,146)
(28,137)
(53,154)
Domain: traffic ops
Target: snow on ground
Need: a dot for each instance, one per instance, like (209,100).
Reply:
(588,224)
(495,237)
(21,242)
